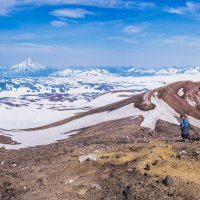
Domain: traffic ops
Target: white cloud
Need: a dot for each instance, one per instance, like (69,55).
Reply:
(72,13)
(45,47)
(57,23)
(6,6)
(97,3)
(131,29)
(123,39)
(178,11)
(182,40)
(141,5)
(190,9)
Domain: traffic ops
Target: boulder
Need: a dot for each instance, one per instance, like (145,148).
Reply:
(169,182)
(158,161)
(88,157)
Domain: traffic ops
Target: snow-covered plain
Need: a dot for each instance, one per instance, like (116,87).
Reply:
(30,116)
(40,137)
(32,102)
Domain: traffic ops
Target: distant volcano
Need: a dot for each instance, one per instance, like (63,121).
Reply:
(28,68)
(27,65)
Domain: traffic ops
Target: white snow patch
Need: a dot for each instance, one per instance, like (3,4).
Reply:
(192,103)
(23,117)
(45,112)
(108,98)
(181,92)
(194,121)
(162,111)
(47,136)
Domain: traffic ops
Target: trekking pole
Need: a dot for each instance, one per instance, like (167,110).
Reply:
(177,118)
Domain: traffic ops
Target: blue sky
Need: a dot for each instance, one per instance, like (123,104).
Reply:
(100,32)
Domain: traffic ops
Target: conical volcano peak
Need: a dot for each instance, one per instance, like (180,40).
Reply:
(28,65)
(29,61)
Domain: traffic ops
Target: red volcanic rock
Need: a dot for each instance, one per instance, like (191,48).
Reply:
(183,97)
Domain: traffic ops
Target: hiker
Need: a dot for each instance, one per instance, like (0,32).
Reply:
(185,127)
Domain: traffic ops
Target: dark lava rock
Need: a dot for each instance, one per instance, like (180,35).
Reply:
(170,193)
(169,181)
(127,193)
(111,175)
(121,184)
(41,182)
(6,184)
(147,167)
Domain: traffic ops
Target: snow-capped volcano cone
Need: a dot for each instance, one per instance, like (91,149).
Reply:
(27,66)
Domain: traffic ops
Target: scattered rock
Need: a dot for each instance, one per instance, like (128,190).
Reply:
(82,192)
(128,193)
(6,184)
(88,157)
(182,154)
(111,175)
(196,155)
(14,165)
(145,174)
(41,181)
(130,170)
(70,181)
(169,181)
(158,161)
(120,184)
(147,167)
(96,186)
(170,193)
(118,156)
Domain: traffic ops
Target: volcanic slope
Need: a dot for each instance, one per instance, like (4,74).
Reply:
(182,97)
(162,104)
(132,155)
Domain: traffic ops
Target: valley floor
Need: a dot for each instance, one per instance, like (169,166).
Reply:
(130,162)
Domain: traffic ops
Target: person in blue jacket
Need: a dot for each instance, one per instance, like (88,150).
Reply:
(185,127)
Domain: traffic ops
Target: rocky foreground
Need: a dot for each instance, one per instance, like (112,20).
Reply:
(111,160)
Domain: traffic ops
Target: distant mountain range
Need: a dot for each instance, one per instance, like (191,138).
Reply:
(30,68)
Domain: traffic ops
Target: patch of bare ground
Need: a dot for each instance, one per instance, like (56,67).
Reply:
(125,166)
(6,140)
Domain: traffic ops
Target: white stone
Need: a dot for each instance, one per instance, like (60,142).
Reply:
(89,157)
(71,181)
